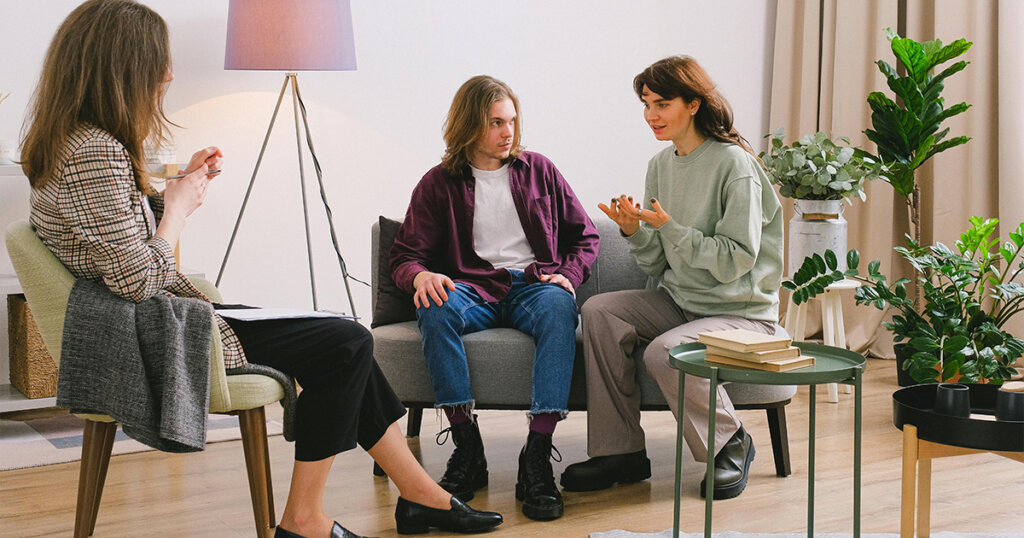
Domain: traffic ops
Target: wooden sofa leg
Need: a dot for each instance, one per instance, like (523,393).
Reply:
(415,421)
(97,442)
(253,424)
(780,439)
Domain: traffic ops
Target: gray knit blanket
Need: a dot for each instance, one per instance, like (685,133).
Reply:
(145,364)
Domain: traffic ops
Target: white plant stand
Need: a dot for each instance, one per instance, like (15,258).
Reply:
(833,327)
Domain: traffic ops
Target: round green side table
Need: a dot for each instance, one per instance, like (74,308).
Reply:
(832,365)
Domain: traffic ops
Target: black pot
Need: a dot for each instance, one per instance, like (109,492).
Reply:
(902,376)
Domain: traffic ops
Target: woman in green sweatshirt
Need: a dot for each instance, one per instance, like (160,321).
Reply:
(709,233)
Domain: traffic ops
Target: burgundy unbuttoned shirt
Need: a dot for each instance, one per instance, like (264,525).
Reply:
(437,234)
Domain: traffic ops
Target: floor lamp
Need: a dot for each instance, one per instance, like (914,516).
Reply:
(291,35)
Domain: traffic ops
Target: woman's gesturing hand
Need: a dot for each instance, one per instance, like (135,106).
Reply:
(624,212)
(657,218)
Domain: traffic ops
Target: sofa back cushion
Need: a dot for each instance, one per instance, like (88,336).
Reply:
(390,304)
(615,268)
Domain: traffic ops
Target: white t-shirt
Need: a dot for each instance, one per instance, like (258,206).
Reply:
(498,235)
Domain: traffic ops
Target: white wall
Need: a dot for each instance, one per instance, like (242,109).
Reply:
(377,129)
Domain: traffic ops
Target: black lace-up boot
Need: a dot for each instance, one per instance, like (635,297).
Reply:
(467,466)
(536,484)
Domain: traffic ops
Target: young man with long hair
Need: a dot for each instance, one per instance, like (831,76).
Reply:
(494,237)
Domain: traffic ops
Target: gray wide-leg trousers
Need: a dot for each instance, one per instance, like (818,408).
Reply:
(613,325)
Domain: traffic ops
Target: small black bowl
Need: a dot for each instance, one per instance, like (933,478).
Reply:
(1010,406)
(953,399)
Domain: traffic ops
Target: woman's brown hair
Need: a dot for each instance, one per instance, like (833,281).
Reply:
(468,118)
(682,76)
(105,67)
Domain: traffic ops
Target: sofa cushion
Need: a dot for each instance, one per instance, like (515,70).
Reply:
(391,304)
(500,365)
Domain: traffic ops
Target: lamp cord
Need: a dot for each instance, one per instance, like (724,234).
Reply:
(323,193)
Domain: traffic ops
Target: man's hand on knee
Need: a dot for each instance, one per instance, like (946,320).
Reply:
(559,280)
(431,286)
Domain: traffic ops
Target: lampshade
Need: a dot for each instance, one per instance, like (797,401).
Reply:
(290,35)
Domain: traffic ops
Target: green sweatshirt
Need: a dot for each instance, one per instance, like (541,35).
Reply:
(721,252)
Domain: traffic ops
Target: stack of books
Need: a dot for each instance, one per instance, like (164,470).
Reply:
(748,349)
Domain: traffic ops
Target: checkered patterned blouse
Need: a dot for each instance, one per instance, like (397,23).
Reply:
(91,216)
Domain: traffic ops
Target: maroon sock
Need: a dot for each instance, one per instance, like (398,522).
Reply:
(456,415)
(544,423)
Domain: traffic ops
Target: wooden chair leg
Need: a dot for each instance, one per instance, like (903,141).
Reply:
(97,442)
(271,514)
(780,439)
(253,424)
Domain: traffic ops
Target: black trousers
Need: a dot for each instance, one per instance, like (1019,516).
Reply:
(345,398)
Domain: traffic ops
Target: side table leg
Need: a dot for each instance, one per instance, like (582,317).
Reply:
(709,473)
(840,329)
(810,466)
(857,415)
(828,332)
(924,497)
(679,455)
(907,506)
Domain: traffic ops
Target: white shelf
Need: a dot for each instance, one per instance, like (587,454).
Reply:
(12,400)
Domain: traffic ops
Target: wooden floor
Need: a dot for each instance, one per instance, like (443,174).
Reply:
(206,494)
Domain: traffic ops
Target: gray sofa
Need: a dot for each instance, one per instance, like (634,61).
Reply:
(501,360)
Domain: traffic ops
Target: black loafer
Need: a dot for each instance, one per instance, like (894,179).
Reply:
(336,532)
(412,518)
(604,471)
(732,467)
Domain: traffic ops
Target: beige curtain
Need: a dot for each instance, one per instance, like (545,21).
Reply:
(824,68)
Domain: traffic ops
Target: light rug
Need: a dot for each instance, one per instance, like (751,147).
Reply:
(732,534)
(46,441)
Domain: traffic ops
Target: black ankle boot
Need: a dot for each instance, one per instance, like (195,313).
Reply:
(536,484)
(732,466)
(412,518)
(467,466)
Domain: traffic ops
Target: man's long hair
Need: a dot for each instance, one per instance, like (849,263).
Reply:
(468,119)
(682,76)
(106,68)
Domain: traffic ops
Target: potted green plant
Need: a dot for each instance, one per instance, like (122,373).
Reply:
(969,293)
(819,174)
(906,130)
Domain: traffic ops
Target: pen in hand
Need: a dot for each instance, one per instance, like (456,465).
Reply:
(179,176)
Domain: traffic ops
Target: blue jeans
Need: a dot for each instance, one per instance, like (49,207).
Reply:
(547,312)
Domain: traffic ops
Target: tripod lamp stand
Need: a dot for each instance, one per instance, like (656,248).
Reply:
(290,36)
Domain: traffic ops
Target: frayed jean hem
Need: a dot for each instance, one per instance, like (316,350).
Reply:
(562,413)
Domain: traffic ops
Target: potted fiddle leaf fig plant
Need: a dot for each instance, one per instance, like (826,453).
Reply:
(969,293)
(906,130)
(819,174)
